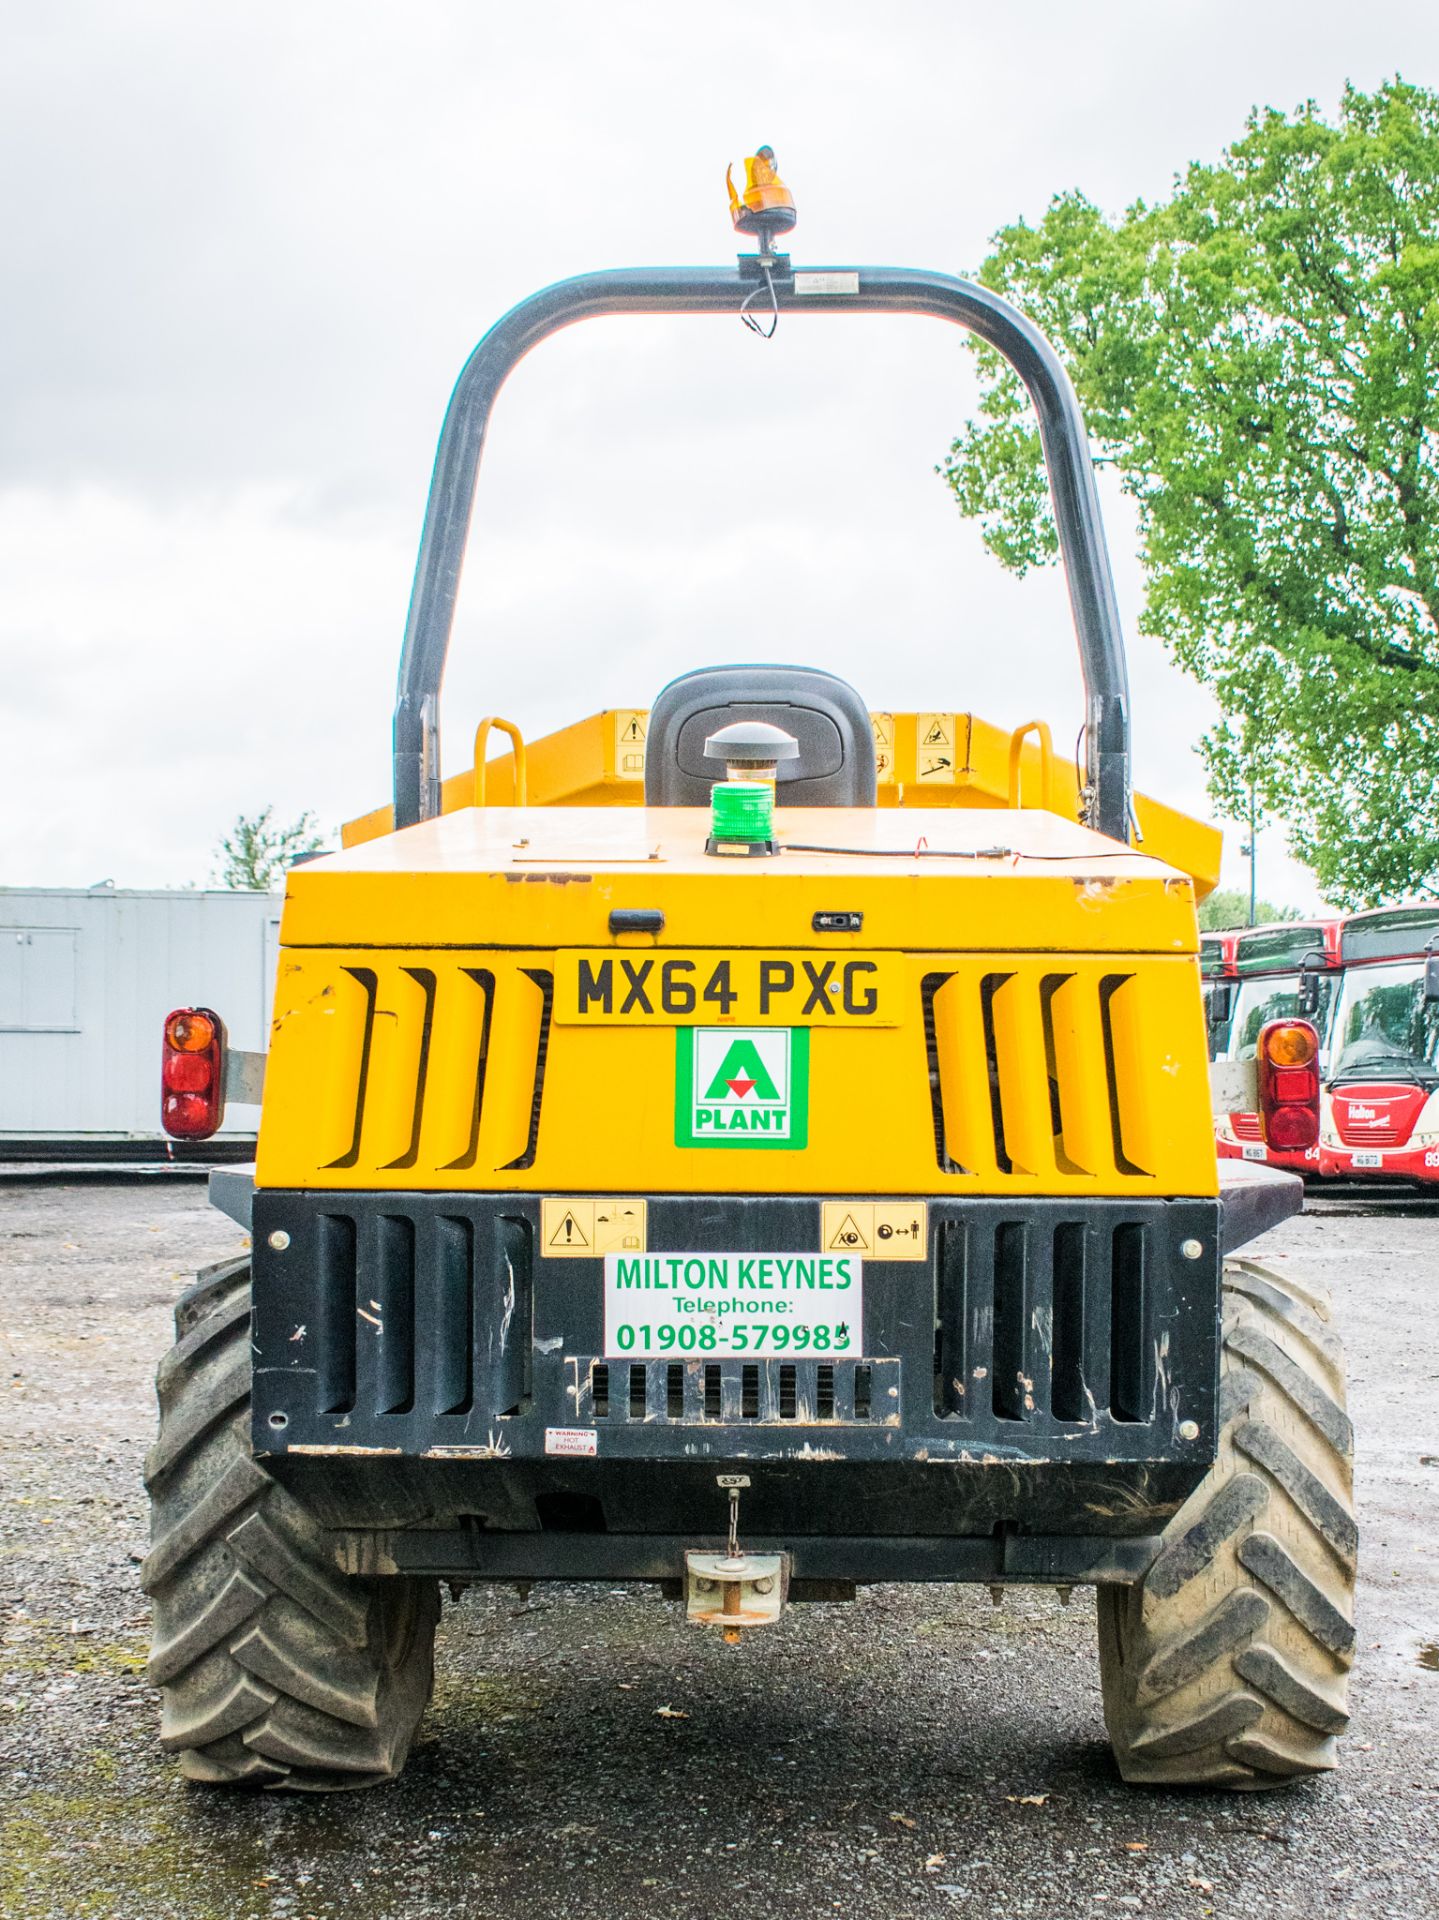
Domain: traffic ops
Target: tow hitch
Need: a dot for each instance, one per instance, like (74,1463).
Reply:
(734,1589)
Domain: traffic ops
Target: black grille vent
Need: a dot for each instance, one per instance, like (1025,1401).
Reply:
(1039,1320)
(427,1328)
(731,1392)
(398,1301)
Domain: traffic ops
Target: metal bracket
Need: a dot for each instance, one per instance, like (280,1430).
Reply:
(752,266)
(733,1592)
(1233,1086)
(244,1077)
(735,1589)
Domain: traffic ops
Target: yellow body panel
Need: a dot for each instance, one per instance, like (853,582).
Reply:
(1048,1031)
(550,877)
(583,765)
(599,762)
(607,1097)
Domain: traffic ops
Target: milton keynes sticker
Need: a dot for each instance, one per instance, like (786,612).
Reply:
(730,1303)
(742,1087)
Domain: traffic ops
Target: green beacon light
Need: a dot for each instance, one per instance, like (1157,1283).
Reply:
(742,810)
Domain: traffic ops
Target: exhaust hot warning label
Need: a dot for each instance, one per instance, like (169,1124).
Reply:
(742,1087)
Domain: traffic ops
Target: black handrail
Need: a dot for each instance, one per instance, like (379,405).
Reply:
(652,290)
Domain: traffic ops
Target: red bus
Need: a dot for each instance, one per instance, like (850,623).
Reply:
(1216,968)
(1285,971)
(1381,1084)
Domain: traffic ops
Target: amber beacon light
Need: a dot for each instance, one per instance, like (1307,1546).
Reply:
(192,1074)
(1288,1061)
(766,205)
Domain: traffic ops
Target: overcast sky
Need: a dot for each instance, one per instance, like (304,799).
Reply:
(249,246)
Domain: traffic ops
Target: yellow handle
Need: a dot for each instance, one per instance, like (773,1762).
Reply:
(1046,762)
(482,741)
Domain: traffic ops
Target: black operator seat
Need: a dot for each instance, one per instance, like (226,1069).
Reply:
(835,767)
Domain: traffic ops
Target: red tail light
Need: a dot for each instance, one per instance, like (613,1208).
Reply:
(1288,1060)
(192,1074)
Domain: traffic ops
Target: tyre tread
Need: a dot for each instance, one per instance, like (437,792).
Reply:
(275,1669)
(1319,1408)
(1228,1665)
(210,1286)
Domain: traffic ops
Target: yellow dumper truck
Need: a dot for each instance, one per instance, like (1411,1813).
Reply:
(755,1143)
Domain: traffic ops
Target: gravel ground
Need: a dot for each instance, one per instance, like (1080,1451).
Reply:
(916,1753)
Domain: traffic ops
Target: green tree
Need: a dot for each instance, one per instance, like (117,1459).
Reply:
(256,853)
(1228,907)
(1258,358)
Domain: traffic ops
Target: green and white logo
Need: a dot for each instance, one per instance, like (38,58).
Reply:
(742,1087)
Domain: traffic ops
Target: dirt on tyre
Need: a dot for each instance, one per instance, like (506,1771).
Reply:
(1228,1665)
(275,1669)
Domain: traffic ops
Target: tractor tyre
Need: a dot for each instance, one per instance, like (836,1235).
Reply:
(275,1669)
(1228,1665)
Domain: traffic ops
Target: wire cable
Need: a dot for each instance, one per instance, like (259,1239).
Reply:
(765,333)
(958,853)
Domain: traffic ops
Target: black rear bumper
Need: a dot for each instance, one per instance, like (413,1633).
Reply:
(421,1370)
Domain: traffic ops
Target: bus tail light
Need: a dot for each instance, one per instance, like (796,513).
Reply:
(1288,1061)
(192,1074)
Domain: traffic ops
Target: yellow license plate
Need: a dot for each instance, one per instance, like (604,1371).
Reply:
(710,989)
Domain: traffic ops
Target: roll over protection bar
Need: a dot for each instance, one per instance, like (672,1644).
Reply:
(650,290)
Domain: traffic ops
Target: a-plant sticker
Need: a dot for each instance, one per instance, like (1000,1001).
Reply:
(742,1087)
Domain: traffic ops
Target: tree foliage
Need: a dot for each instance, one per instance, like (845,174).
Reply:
(256,853)
(1258,357)
(1228,907)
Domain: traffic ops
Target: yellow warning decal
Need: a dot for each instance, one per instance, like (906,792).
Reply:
(936,736)
(631,726)
(883,726)
(589,1229)
(876,1229)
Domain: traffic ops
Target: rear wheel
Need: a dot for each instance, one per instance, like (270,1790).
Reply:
(275,1669)
(1229,1664)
